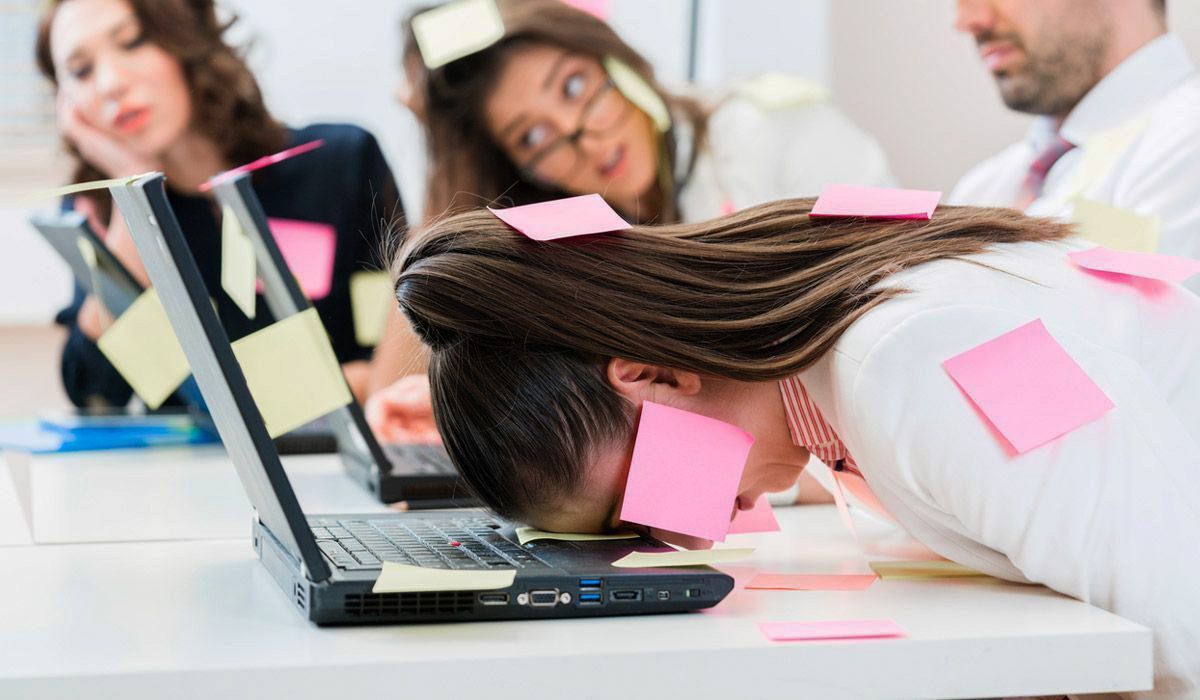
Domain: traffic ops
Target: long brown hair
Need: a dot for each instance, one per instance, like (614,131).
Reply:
(521,331)
(227,104)
(467,169)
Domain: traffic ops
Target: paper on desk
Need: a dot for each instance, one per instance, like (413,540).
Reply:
(1168,268)
(812,582)
(637,90)
(875,202)
(529,534)
(781,90)
(141,346)
(456,29)
(292,372)
(563,218)
(760,518)
(1116,228)
(685,472)
(683,557)
(238,271)
(402,578)
(831,629)
(922,569)
(1027,386)
(371,298)
(308,248)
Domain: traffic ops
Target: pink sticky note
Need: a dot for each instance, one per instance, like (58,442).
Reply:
(685,472)
(308,249)
(760,518)
(597,8)
(831,629)
(1027,386)
(1160,267)
(563,218)
(875,202)
(263,162)
(813,582)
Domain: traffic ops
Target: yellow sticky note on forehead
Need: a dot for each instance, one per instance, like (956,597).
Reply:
(371,297)
(292,372)
(1116,228)
(141,346)
(635,89)
(456,29)
(238,270)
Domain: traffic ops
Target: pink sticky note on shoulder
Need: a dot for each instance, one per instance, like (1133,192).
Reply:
(563,218)
(831,629)
(1150,265)
(308,249)
(875,202)
(813,582)
(685,472)
(760,518)
(1027,386)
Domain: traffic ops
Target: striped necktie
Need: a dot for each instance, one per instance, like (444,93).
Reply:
(1031,186)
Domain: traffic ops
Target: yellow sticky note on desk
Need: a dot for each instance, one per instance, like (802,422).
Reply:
(1116,228)
(402,578)
(697,557)
(292,372)
(141,345)
(529,534)
(371,297)
(238,270)
(922,569)
(456,29)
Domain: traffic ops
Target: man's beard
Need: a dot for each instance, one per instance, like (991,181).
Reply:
(1056,75)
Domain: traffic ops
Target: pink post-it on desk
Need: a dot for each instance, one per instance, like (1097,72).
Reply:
(875,202)
(308,249)
(831,629)
(812,582)
(1027,385)
(760,518)
(563,218)
(685,472)
(1151,265)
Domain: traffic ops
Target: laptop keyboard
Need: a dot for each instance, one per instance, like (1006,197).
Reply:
(456,543)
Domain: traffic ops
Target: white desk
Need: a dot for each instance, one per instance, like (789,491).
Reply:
(201,619)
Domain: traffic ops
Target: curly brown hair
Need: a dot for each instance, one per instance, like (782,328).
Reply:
(227,104)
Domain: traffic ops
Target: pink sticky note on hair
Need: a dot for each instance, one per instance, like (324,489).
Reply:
(1027,386)
(813,582)
(308,249)
(563,218)
(831,629)
(1150,265)
(596,8)
(875,202)
(685,472)
(760,518)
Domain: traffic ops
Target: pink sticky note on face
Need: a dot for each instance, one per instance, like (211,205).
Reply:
(597,8)
(831,629)
(307,248)
(1030,389)
(685,472)
(813,582)
(875,202)
(1151,265)
(760,518)
(563,218)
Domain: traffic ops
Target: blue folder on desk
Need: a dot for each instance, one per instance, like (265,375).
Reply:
(79,433)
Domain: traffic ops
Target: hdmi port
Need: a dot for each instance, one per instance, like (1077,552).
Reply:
(626,595)
(493,598)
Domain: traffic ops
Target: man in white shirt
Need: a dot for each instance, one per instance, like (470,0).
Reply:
(1119,101)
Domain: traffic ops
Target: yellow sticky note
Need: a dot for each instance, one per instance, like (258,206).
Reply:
(142,347)
(238,271)
(781,90)
(529,534)
(83,187)
(292,372)
(402,578)
(642,560)
(87,251)
(371,297)
(1101,153)
(922,569)
(635,89)
(456,29)
(1116,228)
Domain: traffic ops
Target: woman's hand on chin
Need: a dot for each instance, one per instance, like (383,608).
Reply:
(96,146)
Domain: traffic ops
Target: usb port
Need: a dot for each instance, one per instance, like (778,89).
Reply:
(626,595)
(493,598)
(589,598)
(544,598)
(589,583)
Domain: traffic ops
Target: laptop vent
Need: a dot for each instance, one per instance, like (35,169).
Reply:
(405,604)
(301,597)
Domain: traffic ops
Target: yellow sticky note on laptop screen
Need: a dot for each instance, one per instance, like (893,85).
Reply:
(238,269)
(141,346)
(292,372)
(456,29)
(371,297)
(1116,228)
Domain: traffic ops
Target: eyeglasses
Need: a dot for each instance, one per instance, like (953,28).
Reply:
(561,158)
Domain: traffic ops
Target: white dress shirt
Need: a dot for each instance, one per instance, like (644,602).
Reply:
(1155,92)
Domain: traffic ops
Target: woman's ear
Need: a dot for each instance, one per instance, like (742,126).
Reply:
(638,381)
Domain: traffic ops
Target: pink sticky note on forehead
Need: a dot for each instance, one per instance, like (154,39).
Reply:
(308,249)
(685,472)
(760,518)
(1027,386)
(813,582)
(563,218)
(875,202)
(831,629)
(1151,265)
